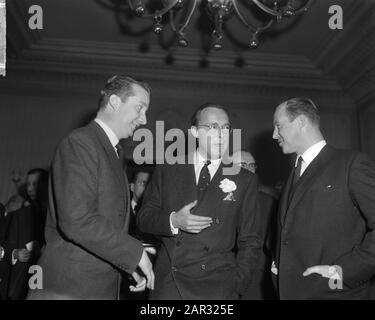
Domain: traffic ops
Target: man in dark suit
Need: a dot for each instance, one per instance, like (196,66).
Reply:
(4,264)
(326,236)
(20,242)
(87,238)
(202,214)
(16,243)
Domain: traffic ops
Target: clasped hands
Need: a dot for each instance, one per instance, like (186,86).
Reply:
(184,220)
(146,280)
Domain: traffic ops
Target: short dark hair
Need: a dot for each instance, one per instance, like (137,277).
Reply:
(43,174)
(122,86)
(302,106)
(198,111)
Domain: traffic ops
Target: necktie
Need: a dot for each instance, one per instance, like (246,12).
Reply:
(296,176)
(121,155)
(204,180)
(297,171)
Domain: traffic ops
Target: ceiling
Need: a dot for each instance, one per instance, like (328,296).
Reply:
(88,37)
(101,20)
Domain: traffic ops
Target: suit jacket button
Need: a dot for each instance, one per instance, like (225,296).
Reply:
(203,266)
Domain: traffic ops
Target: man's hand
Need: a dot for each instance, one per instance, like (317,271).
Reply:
(274,269)
(188,222)
(141,283)
(22,255)
(14,203)
(146,266)
(329,272)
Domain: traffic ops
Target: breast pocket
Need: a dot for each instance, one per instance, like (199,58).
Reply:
(326,194)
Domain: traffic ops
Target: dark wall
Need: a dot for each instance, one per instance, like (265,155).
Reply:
(33,122)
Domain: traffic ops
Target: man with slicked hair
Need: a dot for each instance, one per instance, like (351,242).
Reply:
(326,222)
(87,238)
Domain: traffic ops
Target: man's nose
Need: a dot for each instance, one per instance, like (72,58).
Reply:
(275,134)
(143,119)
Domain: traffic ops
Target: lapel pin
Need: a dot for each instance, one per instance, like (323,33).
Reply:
(329,186)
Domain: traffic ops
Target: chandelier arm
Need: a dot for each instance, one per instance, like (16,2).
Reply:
(266,26)
(304,8)
(185,24)
(249,25)
(266,9)
(157,13)
(241,17)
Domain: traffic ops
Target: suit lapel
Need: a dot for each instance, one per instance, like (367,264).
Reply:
(284,198)
(185,178)
(113,160)
(213,194)
(308,177)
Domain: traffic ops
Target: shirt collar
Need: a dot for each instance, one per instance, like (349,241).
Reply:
(133,204)
(199,160)
(109,132)
(310,154)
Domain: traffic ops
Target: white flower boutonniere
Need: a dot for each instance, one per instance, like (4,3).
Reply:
(228,186)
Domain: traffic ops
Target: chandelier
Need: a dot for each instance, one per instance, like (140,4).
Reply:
(179,13)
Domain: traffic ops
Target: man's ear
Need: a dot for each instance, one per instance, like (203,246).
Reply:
(132,187)
(114,102)
(302,121)
(194,131)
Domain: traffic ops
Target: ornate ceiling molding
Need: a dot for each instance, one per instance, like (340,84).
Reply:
(349,55)
(97,58)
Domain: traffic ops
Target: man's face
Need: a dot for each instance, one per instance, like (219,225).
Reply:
(139,185)
(286,132)
(32,183)
(245,160)
(132,113)
(212,142)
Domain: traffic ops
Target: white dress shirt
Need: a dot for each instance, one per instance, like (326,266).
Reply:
(109,132)
(309,155)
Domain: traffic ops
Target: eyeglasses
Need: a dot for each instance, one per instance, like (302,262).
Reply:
(225,128)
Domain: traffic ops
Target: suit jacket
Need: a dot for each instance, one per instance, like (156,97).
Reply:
(261,286)
(202,266)
(21,232)
(330,220)
(87,225)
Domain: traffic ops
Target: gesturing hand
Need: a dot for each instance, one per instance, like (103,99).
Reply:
(146,266)
(184,220)
(329,272)
(22,255)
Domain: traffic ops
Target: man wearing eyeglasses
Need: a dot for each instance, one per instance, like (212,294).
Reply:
(202,215)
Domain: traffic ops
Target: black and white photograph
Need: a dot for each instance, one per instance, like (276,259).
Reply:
(204,151)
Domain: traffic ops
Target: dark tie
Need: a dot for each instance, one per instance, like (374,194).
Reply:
(297,170)
(296,176)
(204,180)
(121,155)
